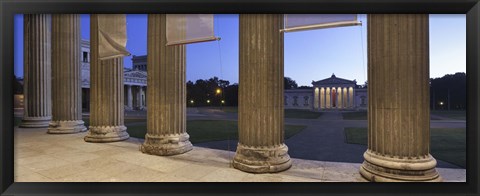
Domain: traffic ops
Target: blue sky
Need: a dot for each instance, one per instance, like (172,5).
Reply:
(309,55)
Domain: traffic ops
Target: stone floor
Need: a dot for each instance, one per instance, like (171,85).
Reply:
(41,157)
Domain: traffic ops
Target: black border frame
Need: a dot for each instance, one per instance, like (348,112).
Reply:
(10,7)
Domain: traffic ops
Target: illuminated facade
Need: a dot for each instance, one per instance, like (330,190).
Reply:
(328,94)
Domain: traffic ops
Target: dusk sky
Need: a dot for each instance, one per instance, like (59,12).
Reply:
(309,55)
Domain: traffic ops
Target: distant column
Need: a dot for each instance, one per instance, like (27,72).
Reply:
(129,97)
(261,146)
(333,98)
(316,102)
(352,97)
(166,115)
(322,98)
(106,85)
(398,145)
(140,100)
(37,71)
(327,99)
(66,75)
(339,98)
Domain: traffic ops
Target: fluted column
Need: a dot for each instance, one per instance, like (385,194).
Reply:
(37,71)
(141,96)
(66,75)
(327,98)
(339,98)
(261,146)
(106,101)
(316,102)
(166,115)
(129,97)
(398,108)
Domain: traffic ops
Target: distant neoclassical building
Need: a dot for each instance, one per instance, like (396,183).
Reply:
(135,80)
(328,94)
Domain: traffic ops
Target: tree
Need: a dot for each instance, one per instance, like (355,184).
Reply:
(211,92)
(448,92)
(289,83)
(305,87)
(17,86)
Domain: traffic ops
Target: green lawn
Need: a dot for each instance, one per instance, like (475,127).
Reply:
(362,115)
(445,144)
(453,114)
(230,109)
(209,130)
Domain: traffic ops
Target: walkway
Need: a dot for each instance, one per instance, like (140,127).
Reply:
(41,157)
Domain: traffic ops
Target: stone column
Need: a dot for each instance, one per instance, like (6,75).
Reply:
(66,75)
(398,109)
(339,97)
(261,146)
(327,98)
(166,115)
(106,85)
(129,97)
(37,71)
(352,96)
(141,96)
(316,100)
(332,95)
(322,98)
(347,97)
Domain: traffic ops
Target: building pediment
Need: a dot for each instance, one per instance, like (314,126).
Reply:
(333,80)
(136,74)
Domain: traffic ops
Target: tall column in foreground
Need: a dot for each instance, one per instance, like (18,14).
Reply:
(106,85)
(66,75)
(398,92)
(37,71)
(261,146)
(166,95)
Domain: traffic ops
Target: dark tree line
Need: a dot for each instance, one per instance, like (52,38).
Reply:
(212,92)
(17,86)
(448,92)
(204,92)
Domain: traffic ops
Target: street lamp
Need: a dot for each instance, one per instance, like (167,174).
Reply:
(218,91)
(191,101)
(208,101)
(441,102)
(223,101)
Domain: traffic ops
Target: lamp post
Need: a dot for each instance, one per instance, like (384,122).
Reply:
(218,92)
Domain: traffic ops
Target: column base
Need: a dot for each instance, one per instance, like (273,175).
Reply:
(100,134)
(35,122)
(262,159)
(166,145)
(66,126)
(377,168)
